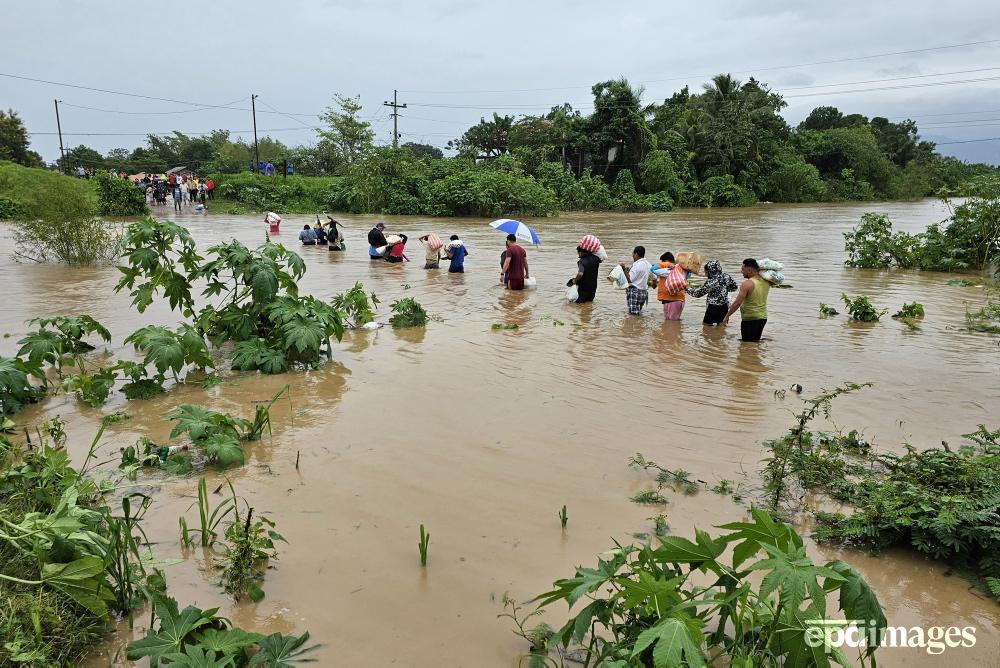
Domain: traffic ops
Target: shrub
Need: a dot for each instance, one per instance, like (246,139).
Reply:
(490,192)
(56,218)
(939,501)
(118,197)
(722,191)
(796,182)
(872,244)
(649,605)
(968,239)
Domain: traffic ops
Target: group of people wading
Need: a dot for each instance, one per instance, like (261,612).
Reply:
(670,275)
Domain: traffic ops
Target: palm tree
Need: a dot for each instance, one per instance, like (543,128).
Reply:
(722,88)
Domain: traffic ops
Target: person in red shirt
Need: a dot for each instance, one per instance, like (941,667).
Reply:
(210,188)
(396,252)
(515,265)
(172,180)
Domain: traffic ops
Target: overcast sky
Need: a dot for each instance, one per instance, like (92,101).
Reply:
(516,57)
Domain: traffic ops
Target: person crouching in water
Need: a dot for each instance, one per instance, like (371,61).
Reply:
(307,236)
(376,240)
(715,290)
(395,252)
(673,302)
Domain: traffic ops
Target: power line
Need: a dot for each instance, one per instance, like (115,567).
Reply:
(953,113)
(915,76)
(113,92)
(289,116)
(226,105)
(899,87)
(752,70)
(967,141)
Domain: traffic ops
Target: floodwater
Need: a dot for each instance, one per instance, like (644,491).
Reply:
(483,435)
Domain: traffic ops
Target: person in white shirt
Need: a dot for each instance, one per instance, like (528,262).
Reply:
(637,292)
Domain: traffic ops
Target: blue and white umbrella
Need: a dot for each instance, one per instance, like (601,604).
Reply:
(517,228)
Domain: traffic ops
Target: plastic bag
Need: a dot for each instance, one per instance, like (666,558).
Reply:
(601,253)
(768,263)
(675,281)
(617,276)
(773,277)
(572,293)
(530,283)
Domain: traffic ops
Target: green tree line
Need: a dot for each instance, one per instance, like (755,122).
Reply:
(726,145)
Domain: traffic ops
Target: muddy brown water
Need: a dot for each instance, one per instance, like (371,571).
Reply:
(483,435)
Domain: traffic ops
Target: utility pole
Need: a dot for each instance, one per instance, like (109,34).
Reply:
(62,151)
(395,117)
(256,151)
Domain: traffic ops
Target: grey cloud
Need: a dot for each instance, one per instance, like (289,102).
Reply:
(297,53)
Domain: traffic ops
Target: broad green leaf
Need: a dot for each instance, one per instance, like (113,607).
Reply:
(683,551)
(177,464)
(227,641)
(661,593)
(303,334)
(197,657)
(42,345)
(263,281)
(223,449)
(795,576)
(82,580)
(174,627)
(857,599)
(280,651)
(676,646)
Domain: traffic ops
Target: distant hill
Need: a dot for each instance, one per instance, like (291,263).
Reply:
(979,151)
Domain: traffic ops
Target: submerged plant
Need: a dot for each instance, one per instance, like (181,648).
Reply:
(910,310)
(649,497)
(407,313)
(987,318)
(357,305)
(563,517)
(209,518)
(196,637)
(827,310)
(425,539)
(249,544)
(861,309)
(220,434)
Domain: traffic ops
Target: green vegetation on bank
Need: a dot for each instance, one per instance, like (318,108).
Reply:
(726,145)
(939,501)
(969,239)
(75,557)
(649,605)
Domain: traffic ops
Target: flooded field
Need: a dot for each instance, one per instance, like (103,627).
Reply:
(483,435)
